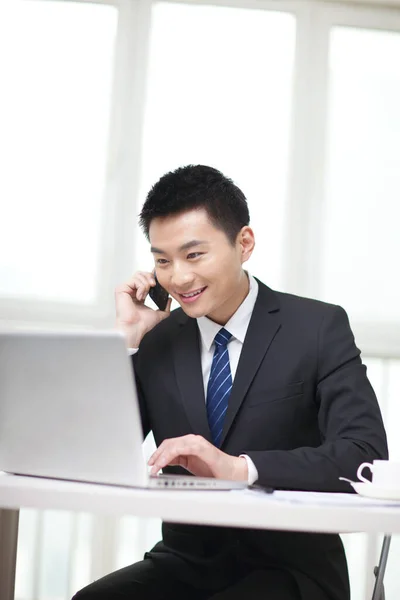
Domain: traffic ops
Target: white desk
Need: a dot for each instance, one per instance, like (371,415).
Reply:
(236,508)
(295,511)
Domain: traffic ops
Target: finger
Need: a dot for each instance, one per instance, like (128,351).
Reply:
(147,276)
(160,450)
(184,440)
(123,302)
(141,284)
(180,461)
(153,457)
(164,446)
(168,307)
(171,456)
(143,287)
(128,291)
(194,446)
(131,284)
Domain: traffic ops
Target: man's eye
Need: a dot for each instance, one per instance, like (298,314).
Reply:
(161,261)
(194,254)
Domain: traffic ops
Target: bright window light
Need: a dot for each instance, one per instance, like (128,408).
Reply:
(219,93)
(361,239)
(56,63)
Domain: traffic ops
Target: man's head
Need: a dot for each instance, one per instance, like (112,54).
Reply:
(197,222)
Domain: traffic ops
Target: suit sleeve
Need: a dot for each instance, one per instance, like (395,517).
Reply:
(349,420)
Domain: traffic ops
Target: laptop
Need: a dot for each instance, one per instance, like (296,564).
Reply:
(69,410)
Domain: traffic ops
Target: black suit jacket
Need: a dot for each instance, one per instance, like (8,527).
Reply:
(301,407)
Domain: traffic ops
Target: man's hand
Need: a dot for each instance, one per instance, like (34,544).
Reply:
(199,457)
(135,319)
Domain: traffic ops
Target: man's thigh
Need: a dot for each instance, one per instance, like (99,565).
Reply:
(141,581)
(262,585)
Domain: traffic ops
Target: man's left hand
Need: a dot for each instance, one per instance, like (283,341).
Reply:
(199,457)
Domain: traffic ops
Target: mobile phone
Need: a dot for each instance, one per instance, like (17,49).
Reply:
(159,295)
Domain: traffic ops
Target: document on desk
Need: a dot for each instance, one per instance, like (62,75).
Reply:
(318,498)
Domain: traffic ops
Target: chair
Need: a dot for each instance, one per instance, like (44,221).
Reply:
(379,571)
(8,552)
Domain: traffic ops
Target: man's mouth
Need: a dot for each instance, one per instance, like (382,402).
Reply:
(192,296)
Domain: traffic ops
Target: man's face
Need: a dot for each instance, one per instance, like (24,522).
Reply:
(198,266)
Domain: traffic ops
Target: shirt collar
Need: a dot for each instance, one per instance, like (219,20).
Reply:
(237,324)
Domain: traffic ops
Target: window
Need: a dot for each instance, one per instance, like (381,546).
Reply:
(56,66)
(219,93)
(362,214)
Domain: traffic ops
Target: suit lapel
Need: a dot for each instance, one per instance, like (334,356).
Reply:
(187,362)
(263,326)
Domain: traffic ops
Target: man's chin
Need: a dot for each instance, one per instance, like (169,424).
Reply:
(193,311)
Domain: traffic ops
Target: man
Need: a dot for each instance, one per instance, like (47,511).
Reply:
(244,383)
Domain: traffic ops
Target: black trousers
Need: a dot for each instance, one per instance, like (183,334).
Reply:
(144,581)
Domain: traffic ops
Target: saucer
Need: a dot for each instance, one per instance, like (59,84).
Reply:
(369,490)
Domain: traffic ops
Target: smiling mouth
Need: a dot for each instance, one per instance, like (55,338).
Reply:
(192,296)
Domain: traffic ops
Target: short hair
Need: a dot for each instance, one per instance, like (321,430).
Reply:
(194,187)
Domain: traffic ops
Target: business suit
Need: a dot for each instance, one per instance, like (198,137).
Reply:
(301,408)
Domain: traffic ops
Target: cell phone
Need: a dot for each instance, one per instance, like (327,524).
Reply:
(159,295)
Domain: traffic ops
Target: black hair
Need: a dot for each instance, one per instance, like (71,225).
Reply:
(194,187)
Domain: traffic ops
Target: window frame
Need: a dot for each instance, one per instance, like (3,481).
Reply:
(307,160)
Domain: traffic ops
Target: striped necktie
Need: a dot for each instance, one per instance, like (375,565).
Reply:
(219,386)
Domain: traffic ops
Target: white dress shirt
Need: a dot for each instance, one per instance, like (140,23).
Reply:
(237,326)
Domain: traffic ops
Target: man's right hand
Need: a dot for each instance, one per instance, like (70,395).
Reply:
(135,319)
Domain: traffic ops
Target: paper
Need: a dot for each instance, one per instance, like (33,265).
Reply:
(331,498)
(319,498)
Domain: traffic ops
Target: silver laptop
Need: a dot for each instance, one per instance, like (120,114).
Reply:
(69,410)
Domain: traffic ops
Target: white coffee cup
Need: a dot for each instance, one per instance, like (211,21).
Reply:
(385,473)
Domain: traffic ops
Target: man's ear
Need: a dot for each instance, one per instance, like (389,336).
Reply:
(247,242)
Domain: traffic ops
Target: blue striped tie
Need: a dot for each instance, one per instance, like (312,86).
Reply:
(219,385)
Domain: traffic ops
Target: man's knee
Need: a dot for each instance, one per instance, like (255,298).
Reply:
(93,592)
(106,588)
(139,581)
(82,595)
(87,593)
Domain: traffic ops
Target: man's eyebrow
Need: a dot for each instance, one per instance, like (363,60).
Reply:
(191,244)
(185,246)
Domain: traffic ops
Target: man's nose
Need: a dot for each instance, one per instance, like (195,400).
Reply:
(181,278)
